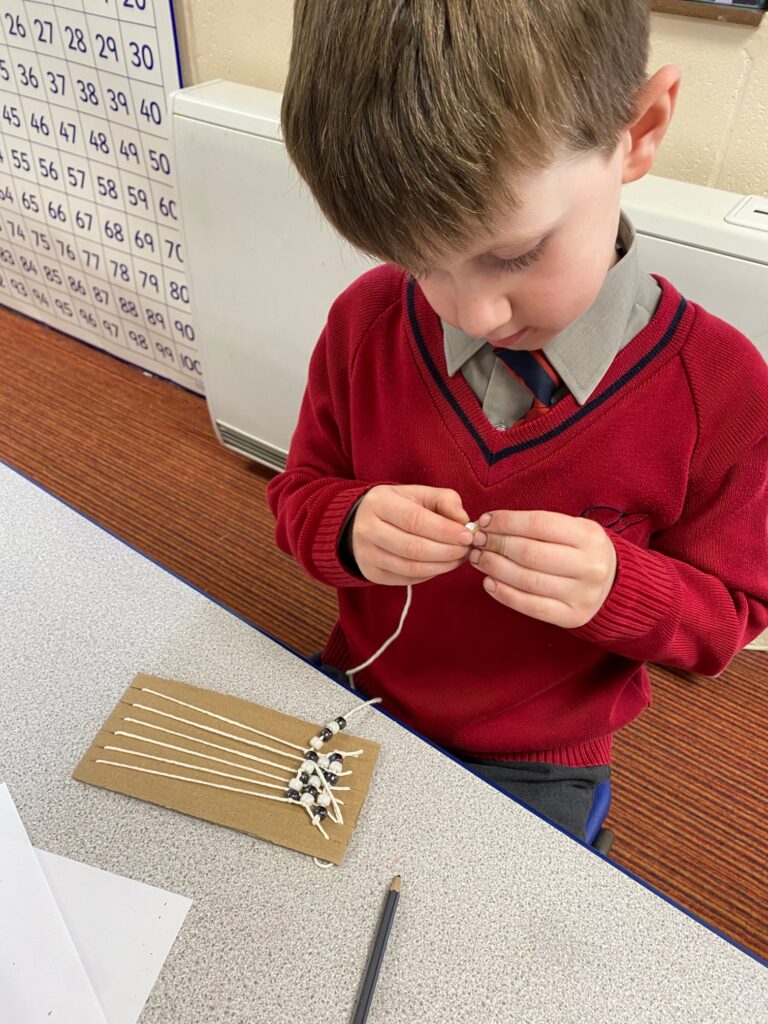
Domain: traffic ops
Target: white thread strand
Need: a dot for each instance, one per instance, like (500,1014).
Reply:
(196,753)
(323,863)
(193,767)
(353,672)
(213,785)
(197,782)
(312,819)
(472,527)
(339,819)
(223,718)
(334,802)
(218,732)
(216,746)
(354,711)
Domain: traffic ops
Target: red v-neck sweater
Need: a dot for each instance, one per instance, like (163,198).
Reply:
(669,454)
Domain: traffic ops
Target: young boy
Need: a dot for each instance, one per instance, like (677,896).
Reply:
(509,364)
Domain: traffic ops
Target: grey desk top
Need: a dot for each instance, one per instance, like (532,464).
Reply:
(502,918)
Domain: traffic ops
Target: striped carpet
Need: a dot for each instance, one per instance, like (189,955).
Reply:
(138,455)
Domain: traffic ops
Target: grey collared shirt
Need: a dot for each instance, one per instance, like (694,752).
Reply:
(581,354)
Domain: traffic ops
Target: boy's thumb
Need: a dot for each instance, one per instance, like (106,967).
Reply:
(449,505)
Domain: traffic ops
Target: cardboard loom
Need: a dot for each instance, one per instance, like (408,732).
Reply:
(284,824)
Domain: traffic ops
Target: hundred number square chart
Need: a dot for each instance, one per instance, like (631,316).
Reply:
(89,215)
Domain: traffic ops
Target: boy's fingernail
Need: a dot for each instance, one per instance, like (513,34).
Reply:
(485,519)
(475,557)
(479,539)
(465,537)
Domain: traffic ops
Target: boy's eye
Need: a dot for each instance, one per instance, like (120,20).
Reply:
(518,263)
(521,262)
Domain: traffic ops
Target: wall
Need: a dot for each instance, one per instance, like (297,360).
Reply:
(719,136)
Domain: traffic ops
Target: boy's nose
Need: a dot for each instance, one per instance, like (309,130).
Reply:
(483,316)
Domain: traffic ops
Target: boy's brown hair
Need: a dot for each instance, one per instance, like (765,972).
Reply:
(408,118)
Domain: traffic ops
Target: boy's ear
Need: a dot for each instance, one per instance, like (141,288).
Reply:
(653,112)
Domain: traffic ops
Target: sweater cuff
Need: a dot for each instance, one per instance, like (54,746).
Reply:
(346,552)
(327,540)
(645,599)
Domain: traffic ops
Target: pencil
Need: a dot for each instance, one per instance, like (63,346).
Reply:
(377,953)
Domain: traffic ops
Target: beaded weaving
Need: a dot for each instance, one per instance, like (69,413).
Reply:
(235,763)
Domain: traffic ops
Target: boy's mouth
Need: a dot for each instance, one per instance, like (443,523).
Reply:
(510,340)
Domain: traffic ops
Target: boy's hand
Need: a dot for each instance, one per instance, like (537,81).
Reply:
(552,567)
(408,534)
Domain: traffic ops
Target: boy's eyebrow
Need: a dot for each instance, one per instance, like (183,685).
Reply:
(491,246)
(520,243)
(527,242)
(521,247)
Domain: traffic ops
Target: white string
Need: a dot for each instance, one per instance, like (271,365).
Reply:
(196,753)
(194,767)
(199,782)
(353,671)
(348,715)
(472,527)
(217,732)
(334,802)
(223,718)
(313,819)
(216,746)
(213,785)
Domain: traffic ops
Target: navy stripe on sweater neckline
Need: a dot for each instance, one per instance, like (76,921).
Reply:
(589,406)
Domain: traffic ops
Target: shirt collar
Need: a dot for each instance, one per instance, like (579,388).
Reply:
(584,351)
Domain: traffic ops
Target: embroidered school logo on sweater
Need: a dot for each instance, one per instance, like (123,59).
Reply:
(613,519)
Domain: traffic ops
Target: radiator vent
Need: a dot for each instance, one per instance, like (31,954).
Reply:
(246,444)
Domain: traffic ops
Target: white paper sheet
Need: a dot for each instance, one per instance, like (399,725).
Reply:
(122,929)
(119,930)
(41,976)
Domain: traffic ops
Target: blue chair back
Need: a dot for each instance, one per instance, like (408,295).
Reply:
(601,801)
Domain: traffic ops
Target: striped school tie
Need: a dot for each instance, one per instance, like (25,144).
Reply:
(534,371)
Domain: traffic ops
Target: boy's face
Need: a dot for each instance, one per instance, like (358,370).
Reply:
(541,267)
